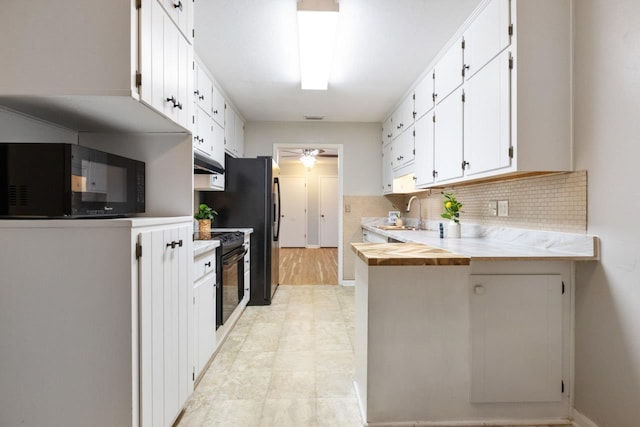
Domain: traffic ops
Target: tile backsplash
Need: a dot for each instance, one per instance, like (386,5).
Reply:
(555,202)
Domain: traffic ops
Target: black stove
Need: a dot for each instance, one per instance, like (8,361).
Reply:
(229,240)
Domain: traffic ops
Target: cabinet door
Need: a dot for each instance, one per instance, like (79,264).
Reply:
(204,90)
(229,132)
(448,72)
(487,118)
(180,11)
(205,298)
(516,338)
(403,148)
(218,105)
(387,169)
(423,94)
(447,138)
(217,137)
(403,116)
(487,36)
(387,131)
(239,137)
(423,163)
(204,140)
(164,304)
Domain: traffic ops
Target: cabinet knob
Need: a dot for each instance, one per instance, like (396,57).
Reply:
(196,92)
(478,290)
(207,264)
(464,164)
(178,5)
(215,111)
(201,97)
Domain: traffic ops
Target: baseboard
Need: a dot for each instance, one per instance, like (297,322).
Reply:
(580,420)
(348,283)
(313,246)
(472,423)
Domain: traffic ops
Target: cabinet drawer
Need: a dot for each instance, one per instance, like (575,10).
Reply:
(204,264)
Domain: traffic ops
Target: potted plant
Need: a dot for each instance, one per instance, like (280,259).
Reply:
(452,213)
(205,216)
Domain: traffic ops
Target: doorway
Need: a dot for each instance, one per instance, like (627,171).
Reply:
(321,202)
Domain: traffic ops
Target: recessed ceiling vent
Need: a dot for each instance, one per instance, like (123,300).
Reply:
(308,117)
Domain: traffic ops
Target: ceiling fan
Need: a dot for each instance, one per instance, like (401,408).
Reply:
(312,152)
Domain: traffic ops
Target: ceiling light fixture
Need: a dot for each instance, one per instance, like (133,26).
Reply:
(308,158)
(317,25)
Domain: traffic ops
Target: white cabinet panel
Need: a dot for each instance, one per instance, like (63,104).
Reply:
(423,94)
(423,163)
(448,72)
(164,342)
(487,117)
(516,338)
(218,106)
(203,138)
(239,137)
(204,90)
(205,320)
(217,150)
(448,138)
(403,149)
(230,132)
(487,36)
(387,169)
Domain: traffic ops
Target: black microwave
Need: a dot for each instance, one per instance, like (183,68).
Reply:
(58,180)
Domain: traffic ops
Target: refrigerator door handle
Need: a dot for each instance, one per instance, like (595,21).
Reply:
(276,236)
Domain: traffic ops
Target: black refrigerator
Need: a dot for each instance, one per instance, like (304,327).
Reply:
(252,199)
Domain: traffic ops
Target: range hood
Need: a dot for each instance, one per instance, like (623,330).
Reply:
(204,164)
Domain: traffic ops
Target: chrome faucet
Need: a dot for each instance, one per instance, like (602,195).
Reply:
(420,223)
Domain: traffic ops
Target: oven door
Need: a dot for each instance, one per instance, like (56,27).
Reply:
(230,290)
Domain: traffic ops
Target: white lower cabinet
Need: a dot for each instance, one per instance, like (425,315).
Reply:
(519,315)
(164,324)
(247,267)
(204,308)
(113,326)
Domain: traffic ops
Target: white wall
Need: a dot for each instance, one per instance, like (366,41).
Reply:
(361,142)
(606,135)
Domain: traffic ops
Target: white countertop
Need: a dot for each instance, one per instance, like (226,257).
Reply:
(501,243)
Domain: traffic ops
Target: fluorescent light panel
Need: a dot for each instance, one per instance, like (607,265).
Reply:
(317,25)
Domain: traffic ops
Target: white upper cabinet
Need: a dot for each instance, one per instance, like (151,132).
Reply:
(239,136)
(510,113)
(105,64)
(387,130)
(203,93)
(423,94)
(403,116)
(487,118)
(423,162)
(487,36)
(181,14)
(448,72)
(233,133)
(403,149)
(387,171)
(218,105)
(448,138)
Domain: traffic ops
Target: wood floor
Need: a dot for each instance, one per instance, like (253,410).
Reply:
(301,266)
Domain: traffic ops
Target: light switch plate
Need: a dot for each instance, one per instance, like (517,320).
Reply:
(503,208)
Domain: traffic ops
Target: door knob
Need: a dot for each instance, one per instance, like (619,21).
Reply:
(322,216)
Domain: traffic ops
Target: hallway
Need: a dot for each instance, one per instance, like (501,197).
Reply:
(313,266)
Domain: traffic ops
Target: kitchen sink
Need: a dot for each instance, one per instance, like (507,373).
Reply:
(395,227)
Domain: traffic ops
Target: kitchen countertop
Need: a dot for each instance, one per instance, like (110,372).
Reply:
(495,244)
(406,254)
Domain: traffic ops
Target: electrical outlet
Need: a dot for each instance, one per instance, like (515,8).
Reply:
(503,208)
(347,208)
(492,207)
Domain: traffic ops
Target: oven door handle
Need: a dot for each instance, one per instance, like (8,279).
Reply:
(234,258)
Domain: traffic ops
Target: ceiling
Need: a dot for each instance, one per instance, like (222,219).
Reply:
(382,47)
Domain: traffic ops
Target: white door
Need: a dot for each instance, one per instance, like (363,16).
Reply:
(293,216)
(328,189)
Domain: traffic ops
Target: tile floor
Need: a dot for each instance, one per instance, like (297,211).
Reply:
(288,364)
